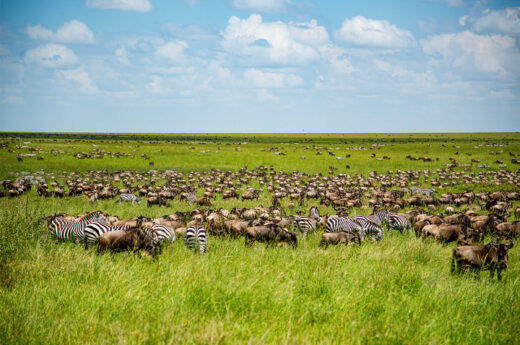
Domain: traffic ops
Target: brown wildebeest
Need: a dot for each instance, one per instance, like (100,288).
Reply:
(203,201)
(270,233)
(133,239)
(492,256)
(446,233)
(508,229)
(340,238)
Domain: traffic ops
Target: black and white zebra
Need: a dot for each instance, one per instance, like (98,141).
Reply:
(370,228)
(337,224)
(94,230)
(129,197)
(398,221)
(378,217)
(64,230)
(314,213)
(196,235)
(164,233)
(429,192)
(305,225)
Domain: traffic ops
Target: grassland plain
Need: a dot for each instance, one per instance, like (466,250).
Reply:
(397,291)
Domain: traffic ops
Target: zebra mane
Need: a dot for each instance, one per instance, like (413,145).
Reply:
(91,214)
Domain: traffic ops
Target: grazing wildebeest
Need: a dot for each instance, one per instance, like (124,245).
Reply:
(492,256)
(270,233)
(133,239)
(340,238)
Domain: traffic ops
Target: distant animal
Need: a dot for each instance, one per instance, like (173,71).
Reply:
(130,198)
(493,256)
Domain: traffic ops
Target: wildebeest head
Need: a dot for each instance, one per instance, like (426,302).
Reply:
(503,259)
(287,237)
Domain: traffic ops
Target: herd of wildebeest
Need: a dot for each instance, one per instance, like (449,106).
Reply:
(470,219)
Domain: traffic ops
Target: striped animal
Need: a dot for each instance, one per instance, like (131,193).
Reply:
(94,230)
(370,228)
(429,192)
(196,235)
(63,229)
(164,233)
(379,217)
(398,221)
(305,225)
(314,213)
(337,224)
(129,197)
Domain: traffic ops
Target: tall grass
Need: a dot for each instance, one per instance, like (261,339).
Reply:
(397,291)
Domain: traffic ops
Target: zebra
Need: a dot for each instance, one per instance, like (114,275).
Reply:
(305,224)
(164,233)
(94,230)
(429,192)
(314,213)
(196,235)
(337,224)
(63,229)
(398,221)
(129,197)
(379,217)
(369,227)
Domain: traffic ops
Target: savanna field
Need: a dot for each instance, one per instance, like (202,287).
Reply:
(396,291)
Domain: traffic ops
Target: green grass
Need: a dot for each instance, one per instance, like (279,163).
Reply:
(398,291)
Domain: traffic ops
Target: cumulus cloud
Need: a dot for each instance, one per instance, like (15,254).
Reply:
(274,43)
(270,6)
(51,55)
(506,21)
(123,5)
(80,78)
(487,53)
(268,80)
(172,50)
(364,32)
(71,32)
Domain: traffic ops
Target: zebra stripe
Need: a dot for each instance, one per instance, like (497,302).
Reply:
(94,230)
(370,228)
(305,225)
(424,191)
(64,230)
(400,222)
(314,213)
(196,235)
(164,233)
(337,224)
(129,197)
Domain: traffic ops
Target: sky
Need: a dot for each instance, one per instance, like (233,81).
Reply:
(253,66)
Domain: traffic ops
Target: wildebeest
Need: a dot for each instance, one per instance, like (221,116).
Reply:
(133,239)
(270,233)
(341,237)
(492,256)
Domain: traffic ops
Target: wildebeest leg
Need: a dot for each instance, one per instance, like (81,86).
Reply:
(492,273)
(499,274)
(452,269)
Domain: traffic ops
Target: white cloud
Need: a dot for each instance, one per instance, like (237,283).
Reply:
(267,80)
(364,32)
(270,6)
(487,53)
(13,100)
(453,3)
(275,42)
(124,5)
(172,50)
(71,32)
(51,55)
(506,21)
(80,78)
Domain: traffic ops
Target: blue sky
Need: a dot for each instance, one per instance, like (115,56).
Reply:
(259,66)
